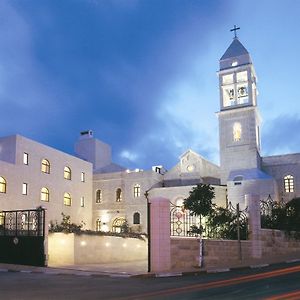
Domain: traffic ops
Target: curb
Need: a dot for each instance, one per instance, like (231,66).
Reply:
(145,275)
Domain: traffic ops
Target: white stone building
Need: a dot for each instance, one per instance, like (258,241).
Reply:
(92,189)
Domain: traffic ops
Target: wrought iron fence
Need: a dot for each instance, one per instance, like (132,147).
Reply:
(22,222)
(182,222)
(272,213)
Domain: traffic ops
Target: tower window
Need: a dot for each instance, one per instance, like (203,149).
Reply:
(237,131)
(98,196)
(2,185)
(44,194)
(118,195)
(241,76)
(227,79)
(67,173)
(136,191)
(288,183)
(45,166)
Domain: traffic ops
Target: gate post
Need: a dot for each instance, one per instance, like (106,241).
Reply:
(160,246)
(253,203)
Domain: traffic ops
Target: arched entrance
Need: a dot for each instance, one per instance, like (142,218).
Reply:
(119,225)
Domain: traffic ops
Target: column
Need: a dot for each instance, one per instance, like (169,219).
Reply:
(160,242)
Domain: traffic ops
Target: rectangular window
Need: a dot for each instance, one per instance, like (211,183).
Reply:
(228,79)
(82,204)
(25,158)
(24,189)
(82,177)
(241,76)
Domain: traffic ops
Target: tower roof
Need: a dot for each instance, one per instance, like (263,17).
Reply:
(235,49)
(235,55)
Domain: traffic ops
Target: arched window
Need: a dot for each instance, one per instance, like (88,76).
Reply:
(45,166)
(288,183)
(98,196)
(119,225)
(118,195)
(2,185)
(67,173)
(98,225)
(237,131)
(136,191)
(45,194)
(67,199)
(136,218)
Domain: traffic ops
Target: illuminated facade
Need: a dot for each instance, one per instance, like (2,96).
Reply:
(105,196)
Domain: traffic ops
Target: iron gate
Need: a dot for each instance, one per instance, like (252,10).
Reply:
(22,235)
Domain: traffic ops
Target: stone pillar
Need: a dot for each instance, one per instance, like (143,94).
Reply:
(253,203)
(160,241)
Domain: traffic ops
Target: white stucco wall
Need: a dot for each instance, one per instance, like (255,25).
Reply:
(18,173)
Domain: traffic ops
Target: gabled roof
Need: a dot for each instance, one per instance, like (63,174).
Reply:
(235,49)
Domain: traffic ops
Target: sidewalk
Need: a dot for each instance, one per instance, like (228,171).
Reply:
(138,269)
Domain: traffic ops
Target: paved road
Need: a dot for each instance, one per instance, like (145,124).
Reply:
(262,283)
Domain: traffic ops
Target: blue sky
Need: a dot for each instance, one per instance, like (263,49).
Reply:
(142,73)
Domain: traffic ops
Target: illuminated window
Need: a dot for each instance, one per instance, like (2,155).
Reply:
(237,131)
(136,191)
(136,218)
(119,225)
(45,194)
(289,183)
(118,195)
(45,166)
(25,158)
(229,98)
(82,202)
(2,185)
(82,177)
(24,189)
(67,199)
(234,63)
(98,225)
(98,196)
(241,76)
(67,173)
(227,79)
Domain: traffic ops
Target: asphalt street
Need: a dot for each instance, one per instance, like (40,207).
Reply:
(274,282)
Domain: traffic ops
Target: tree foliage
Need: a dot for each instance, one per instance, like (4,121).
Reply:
(284,217)
(199,202)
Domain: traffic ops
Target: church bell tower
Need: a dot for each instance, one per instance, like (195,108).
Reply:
(239,118)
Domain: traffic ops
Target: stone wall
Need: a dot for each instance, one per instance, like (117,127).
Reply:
(275,243)
(225,253)
(70,249)
(217,253)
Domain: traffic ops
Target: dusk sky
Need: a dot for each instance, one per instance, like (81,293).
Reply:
(142,74)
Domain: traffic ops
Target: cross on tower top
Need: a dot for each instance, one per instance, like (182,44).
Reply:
(235,29)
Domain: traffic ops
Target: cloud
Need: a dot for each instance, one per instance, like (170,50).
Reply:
(281,135)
